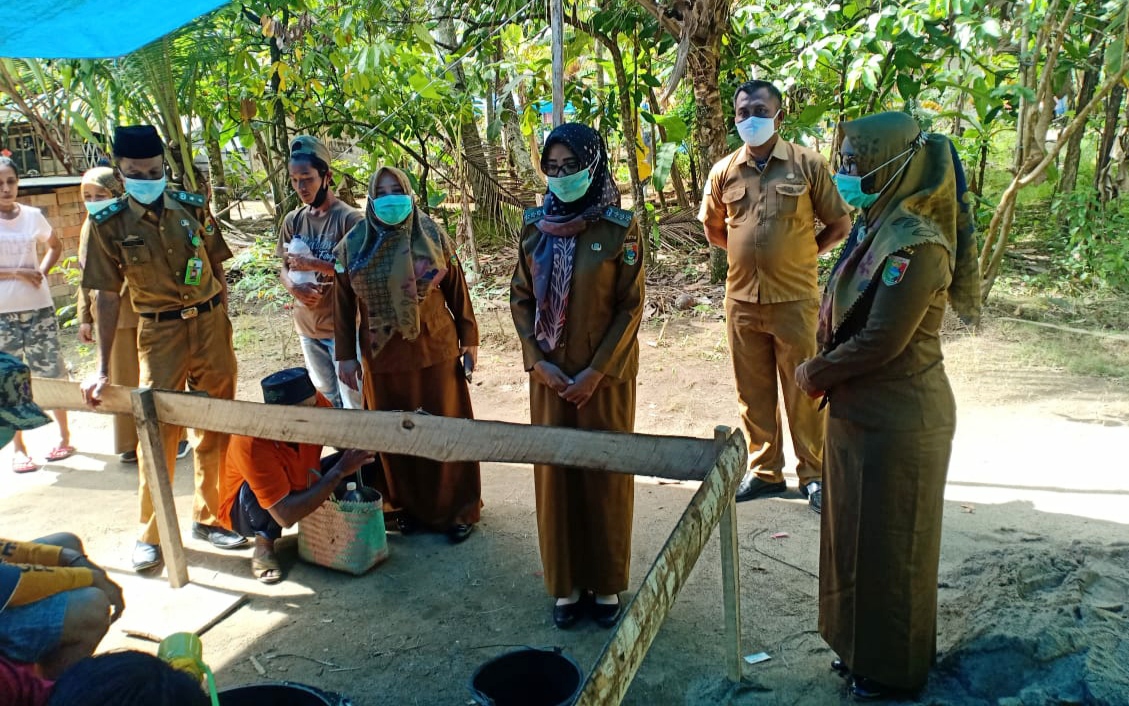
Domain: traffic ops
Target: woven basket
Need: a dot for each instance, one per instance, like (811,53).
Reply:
(346,536)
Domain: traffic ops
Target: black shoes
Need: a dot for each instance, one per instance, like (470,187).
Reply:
(813,491)
(219,537)
(458,534)
(863,689)
(565,616)
(606,615)
(146,557)
(751,488)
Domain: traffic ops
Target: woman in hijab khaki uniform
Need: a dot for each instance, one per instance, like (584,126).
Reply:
(577,300)
(892,413)
(398,275)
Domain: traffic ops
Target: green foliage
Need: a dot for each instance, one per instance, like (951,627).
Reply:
(255,278)
(1092,243)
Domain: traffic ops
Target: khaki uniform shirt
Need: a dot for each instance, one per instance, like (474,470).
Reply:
(605,302)
(768,221)
(148,252)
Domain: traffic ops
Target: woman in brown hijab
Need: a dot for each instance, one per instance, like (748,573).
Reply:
(399,277)
(892,413)
(577,300)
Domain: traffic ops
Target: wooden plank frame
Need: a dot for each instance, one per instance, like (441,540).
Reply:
(719,463)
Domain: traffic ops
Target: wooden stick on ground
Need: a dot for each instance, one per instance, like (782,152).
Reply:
(628,645)
(153,465)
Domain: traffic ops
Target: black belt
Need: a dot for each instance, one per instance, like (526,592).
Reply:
(189,313)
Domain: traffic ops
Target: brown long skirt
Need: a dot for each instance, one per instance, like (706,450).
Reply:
(584,517)
(880,544)
(437,495)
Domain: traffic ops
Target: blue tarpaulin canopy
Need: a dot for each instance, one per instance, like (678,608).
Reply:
(92,29)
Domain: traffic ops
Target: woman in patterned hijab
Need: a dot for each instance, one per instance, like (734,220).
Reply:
(564,220)
(401,298)
(577,300)
(892,413)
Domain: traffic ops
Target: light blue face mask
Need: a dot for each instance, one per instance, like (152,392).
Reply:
(850,187)
(145,191)
(93,207)
(392,209)
(573,187)
(756,131)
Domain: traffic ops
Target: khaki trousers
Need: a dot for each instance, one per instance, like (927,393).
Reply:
(767,341)
(125,371)
(198,353)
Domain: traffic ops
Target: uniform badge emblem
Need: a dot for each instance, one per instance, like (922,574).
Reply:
(895,270)
(630,254)
(596,247)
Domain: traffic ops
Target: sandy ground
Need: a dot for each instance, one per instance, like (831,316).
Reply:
(1034,578)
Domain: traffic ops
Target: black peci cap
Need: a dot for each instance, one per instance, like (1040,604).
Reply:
(137,142)
(289,386)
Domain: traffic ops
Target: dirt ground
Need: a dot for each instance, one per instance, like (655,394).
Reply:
(1034,592)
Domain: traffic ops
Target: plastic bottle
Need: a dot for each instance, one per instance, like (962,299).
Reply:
(297,246)
(352,495)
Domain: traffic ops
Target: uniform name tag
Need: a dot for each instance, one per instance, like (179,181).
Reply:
(193,271)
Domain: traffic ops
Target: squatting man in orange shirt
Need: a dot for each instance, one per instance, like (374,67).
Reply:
(268,485)
(760,204)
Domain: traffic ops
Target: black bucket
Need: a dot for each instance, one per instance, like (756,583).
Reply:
(527,677)
(280,693)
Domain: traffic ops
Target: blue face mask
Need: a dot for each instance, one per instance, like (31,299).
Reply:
(93,207)
(392,209)
(850,187)
(755,131)
(572,187)
(145,191)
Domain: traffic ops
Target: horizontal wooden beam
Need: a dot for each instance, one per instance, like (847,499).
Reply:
(411,434)
(628,645)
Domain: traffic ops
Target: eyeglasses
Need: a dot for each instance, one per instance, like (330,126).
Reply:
(846,163)
(565,168)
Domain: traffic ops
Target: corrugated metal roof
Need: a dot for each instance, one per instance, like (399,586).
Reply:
(49,182)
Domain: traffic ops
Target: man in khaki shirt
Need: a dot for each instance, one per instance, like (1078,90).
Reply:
(164,246)
(760,204)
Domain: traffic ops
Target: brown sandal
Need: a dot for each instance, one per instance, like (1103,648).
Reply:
(264,562)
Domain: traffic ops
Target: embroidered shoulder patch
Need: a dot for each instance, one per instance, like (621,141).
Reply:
(630,253)
(532,215)
(618,216)
(895,269)
(188,197)
(110,210)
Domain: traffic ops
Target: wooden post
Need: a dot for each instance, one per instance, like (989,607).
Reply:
(628,645)
(153,465)
(730,576)
(556,23)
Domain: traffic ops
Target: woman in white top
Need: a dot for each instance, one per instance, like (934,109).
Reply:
(28,328)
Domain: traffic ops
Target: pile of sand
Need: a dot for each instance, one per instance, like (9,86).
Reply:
(1035,625)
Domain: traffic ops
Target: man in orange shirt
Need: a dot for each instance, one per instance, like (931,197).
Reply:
(268,485)
(55,605)
(761,204)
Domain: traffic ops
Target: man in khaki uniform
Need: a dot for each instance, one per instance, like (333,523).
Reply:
(164,246)
(760,204)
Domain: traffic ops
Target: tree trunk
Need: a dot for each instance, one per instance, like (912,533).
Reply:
(1069,178)
(627,124)
(706,24)
(220,196)
(1102,181)
(268,166)
(517,149)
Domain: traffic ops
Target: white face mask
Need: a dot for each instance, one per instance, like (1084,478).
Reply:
(756,131)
